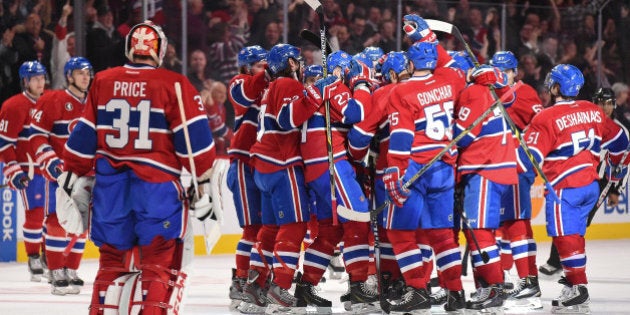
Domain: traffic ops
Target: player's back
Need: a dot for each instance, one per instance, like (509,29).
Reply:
(138,121)
(246,112)
(14,126)
(426,102)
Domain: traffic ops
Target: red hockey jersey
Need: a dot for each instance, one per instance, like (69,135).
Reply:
(15,119)
(420,117)
(55,114)
(283,109)
(245,93)
(132,119)
(488,149)
(569,136)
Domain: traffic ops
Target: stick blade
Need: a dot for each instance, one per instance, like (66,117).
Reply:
(314,39)
(314,4)
(353,215)
(440,26)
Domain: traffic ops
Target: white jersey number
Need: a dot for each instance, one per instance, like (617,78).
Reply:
(582,140)
(122,124)
(436,129)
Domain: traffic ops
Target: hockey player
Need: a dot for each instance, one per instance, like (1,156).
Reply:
(376,125)
(14,147)
(54,116)
(245,92)
(568,137)
(279,174)
(517,236)
(486,168)
(140,126)
(348,105)
(605,99)
(420,117)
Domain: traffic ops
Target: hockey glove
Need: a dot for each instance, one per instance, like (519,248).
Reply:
(394,186)
(488,75)
(359,74)
(50,164)
(73,197)
(16,178)
(202,207)
(417,29)
(325,86)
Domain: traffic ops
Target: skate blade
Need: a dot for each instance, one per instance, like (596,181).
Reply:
(36,278)
(58,290)
(249,308)
(532,303)
(73,289)
(498,310)
(439,309)
(414,312)
(574,309)
(361,308)
(234,304)
(318,310)
(280,309)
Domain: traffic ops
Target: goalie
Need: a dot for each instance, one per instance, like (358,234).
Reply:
(135,137)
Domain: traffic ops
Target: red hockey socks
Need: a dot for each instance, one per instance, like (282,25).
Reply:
(32,230)
(490,271)
(572,257)
(409,257)
(244,249)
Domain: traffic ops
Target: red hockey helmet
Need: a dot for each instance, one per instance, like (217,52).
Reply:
(146,39)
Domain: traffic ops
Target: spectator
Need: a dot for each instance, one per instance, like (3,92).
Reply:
(104,45)
(262,15)
(197,71)
(373,19)
(359,34)
(340,35)
(9,83)
(62,48)
(224,50)
(531,70)
(197,27)
(528,43)
(622,111)
(272,35)
(387,32)
(171,62)
(33,43)
(623,39)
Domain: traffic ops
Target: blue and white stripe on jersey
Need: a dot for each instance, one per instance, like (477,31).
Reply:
(85,147)
(400,142)
(237,92)
(250,117)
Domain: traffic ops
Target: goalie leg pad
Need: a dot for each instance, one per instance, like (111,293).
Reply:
(115,285)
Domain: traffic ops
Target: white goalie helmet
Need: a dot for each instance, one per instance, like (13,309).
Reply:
(146,39)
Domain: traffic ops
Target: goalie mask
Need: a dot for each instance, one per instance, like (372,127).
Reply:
(146,39)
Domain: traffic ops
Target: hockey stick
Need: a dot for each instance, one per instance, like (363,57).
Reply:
(312,38)
(191,160)
(317,7)
(453,30)
(354,215)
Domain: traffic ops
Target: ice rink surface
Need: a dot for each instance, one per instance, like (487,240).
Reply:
(608,270)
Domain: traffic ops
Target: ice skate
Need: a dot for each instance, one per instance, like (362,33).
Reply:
(35,267)
(574,299)
(236,290)
(58,281)
(455,302)
(487,300)
(336,267)
(306,295)
(526,295)
(360,298)
(414,301)
(282,302)
(549,270)
(507,280)
(74,282)
(253,296)
(439,297)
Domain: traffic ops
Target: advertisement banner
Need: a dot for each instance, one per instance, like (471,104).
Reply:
(8,245)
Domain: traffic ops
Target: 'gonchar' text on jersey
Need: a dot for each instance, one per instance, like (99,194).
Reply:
(127,89)
(435,95)
(573,119)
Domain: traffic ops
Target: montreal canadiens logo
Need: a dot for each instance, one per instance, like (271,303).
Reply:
(69,106)
(72,124)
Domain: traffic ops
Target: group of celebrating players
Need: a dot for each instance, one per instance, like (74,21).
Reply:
(139,125)
(390,116)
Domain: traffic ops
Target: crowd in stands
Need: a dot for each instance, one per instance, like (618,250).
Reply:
(541,33)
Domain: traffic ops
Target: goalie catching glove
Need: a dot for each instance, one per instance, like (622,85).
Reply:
(201,205)
(74,196)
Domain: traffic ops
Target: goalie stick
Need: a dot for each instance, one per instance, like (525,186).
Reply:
(449,28)
(317,7)
(366,216)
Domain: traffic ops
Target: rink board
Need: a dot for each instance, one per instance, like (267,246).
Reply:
(609,223)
